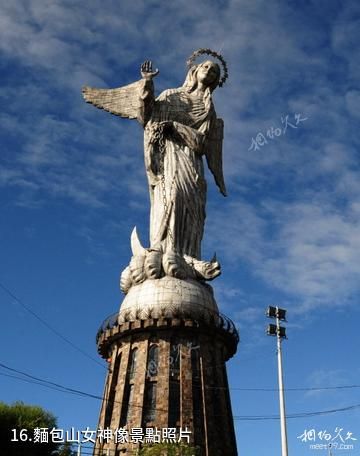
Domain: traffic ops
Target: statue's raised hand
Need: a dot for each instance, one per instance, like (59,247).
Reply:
(147,70)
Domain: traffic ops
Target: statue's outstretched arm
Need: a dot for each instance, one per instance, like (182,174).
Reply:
(147,96)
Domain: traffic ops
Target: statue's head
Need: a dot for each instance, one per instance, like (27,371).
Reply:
(207,72)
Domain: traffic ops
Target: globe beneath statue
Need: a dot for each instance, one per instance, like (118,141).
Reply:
(168,297)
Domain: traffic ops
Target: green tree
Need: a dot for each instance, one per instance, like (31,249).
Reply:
(65,450)
(17,424)
(168,449)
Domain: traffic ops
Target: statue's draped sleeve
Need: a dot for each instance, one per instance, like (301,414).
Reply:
(213,152)
(133,101)
(193,138)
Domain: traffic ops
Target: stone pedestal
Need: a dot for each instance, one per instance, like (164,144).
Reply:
(167,349)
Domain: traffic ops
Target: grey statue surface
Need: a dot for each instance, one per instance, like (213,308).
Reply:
(180,127)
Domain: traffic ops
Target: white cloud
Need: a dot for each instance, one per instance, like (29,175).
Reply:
(325,378)
(309,250)
(248,315)
(320,251)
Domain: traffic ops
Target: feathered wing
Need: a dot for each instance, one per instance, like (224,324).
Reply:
(124,101)
(214,153)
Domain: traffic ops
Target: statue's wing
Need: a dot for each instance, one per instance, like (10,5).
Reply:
(123,101)
(213,152)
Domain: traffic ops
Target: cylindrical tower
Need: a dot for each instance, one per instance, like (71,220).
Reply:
(167,381)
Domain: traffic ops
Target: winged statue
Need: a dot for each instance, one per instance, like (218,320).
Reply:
(180,127)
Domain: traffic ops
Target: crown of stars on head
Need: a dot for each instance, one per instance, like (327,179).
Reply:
(191,61)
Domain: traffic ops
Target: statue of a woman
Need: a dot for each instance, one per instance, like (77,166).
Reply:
(180,127)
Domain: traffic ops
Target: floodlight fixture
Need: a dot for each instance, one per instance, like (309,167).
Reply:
(274,330)
(276,312)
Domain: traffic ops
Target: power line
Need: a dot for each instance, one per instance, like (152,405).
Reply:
(297,415)
(51,328)
(295,389)
(325,388)
(64,389)
(34,382)
(51,384)
(61,388)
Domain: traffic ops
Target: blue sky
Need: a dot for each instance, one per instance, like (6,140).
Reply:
(73,186)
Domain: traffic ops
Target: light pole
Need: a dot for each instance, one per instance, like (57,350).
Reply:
(280,333)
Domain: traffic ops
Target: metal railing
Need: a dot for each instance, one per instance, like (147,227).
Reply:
(205,316)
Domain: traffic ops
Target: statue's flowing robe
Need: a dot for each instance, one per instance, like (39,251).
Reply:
(175,171)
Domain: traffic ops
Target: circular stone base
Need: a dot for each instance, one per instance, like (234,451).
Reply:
(167,297)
